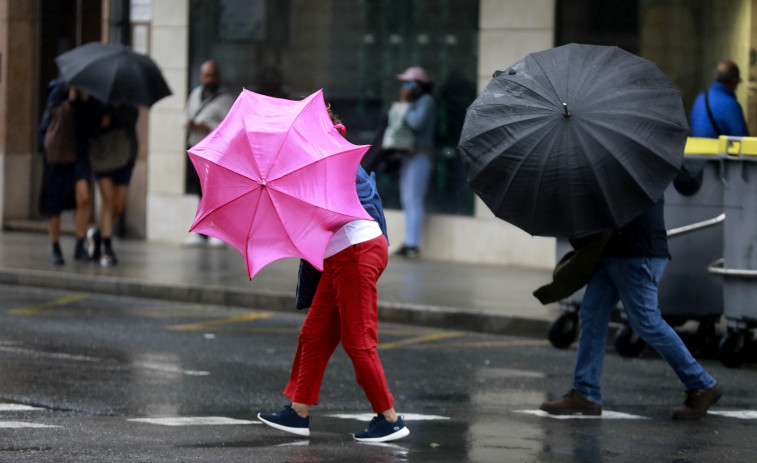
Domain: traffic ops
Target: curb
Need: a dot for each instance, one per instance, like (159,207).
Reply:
(392,312)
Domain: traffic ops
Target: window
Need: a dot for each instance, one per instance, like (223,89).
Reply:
(352,50)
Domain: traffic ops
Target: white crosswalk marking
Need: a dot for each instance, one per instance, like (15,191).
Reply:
(193,421)
(606,415)
(17,408)
(23,424)
(369,416)
(7,407)
(741,414)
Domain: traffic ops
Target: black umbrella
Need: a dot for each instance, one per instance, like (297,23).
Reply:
(113,73)
(574,140)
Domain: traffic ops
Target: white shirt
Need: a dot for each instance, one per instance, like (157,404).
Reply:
(357,231)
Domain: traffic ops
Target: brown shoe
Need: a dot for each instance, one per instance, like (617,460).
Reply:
(697,403)
(572,403)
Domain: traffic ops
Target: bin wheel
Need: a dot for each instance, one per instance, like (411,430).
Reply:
(704,342)
(732,349)
(563,330)
(628,343)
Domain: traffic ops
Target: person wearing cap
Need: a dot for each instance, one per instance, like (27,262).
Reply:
(415,167)
(717,111)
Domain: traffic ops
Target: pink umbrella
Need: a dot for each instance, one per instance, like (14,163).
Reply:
(277,178)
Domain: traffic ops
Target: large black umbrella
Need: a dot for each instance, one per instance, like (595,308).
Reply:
(113,73)
(574,140)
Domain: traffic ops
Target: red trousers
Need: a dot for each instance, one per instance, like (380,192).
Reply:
(345,308)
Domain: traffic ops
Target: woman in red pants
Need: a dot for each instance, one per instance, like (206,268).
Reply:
(345,309)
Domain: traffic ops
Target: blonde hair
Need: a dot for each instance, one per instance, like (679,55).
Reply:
(334,117)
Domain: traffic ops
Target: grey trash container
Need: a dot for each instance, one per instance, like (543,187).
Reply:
(738,268)
(695,223)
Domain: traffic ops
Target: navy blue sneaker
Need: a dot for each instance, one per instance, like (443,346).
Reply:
(382,430)
(287,420)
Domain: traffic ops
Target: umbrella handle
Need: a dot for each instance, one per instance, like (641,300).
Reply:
(342,129)
(565,108)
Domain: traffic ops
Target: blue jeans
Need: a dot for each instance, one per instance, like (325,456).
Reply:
(634,282)
(415,171)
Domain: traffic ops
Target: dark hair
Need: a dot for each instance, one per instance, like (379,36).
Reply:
(726,72)
(426,87)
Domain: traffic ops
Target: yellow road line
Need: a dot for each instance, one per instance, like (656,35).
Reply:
(224,321)
(404,332)
(418,339)
(485,344)
(269,330)
(36,309)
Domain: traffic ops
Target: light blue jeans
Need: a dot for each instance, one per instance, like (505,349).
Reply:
(415,171)
(634,282)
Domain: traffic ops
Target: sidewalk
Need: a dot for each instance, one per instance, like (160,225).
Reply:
(485,298)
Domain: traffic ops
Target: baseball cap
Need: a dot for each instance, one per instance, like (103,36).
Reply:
(414,73)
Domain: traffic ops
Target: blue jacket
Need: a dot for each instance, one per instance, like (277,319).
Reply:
(307,275)
(370,199)
(421,117)
(725,109)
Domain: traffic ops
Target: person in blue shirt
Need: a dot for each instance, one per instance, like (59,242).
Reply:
(725,116)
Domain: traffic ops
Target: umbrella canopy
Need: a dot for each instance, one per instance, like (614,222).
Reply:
(277,179)
(113,73)
(574,140)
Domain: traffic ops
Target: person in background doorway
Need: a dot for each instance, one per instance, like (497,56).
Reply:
(415,167)
(206,107)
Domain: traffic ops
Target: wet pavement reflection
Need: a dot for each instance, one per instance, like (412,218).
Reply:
(94,378)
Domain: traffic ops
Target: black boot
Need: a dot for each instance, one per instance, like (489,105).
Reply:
(57,257)
(80,253)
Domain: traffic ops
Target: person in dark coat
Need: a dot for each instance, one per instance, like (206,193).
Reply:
(64,139)
(629,270)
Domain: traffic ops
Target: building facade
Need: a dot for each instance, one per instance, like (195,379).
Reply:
(351,49)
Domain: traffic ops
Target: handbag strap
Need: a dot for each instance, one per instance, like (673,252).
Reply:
(204,103)
(709,113)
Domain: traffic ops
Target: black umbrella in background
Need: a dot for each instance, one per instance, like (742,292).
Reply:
(574,140)
(113,73)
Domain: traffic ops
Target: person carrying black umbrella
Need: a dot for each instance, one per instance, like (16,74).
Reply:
(629,270)
(117,145)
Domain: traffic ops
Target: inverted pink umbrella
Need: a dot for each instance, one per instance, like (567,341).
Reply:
(277,179)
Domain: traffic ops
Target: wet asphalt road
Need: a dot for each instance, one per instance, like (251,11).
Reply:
(92,378)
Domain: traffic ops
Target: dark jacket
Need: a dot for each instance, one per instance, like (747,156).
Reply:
(574,269)
(644,236)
